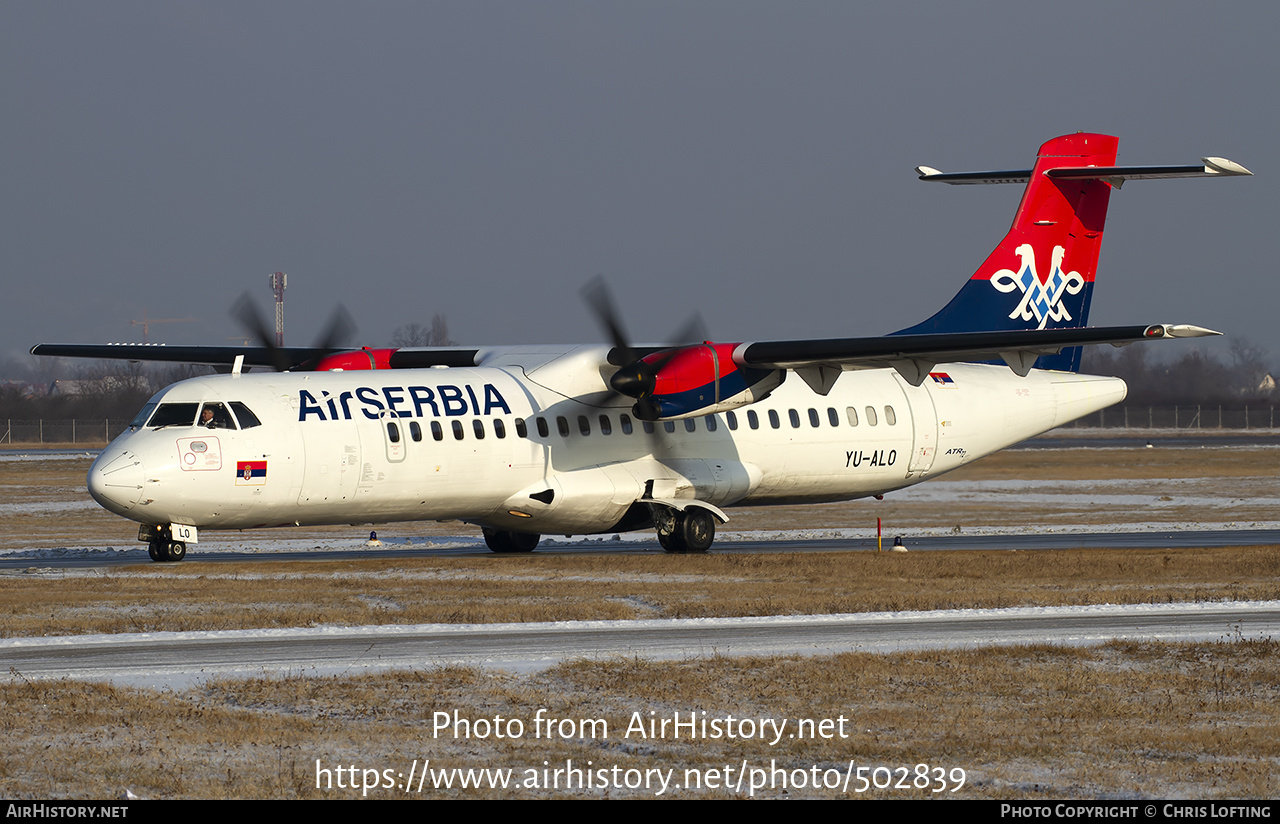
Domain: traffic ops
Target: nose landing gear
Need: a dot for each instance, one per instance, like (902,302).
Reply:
(160,543)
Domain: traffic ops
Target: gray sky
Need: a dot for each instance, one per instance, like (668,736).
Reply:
(752,161)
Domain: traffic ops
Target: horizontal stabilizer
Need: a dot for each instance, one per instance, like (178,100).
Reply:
(1213,167)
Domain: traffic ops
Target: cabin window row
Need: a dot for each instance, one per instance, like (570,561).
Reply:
(457,429)
(583,424)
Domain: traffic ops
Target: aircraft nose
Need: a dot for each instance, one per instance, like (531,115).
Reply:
(115,480)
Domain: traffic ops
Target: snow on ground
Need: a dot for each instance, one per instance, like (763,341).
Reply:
(179,659)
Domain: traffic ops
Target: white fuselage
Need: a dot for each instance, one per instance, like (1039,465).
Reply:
(546,447)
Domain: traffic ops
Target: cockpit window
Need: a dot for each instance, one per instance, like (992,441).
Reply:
(141,418)
(215,416)
(247,419)
(174,414)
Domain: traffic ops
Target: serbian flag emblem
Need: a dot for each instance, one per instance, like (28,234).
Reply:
(251,473)
(941,377)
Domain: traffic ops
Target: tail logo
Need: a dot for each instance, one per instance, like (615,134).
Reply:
(1041,300)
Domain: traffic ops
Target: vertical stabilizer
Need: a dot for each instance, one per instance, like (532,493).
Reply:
(1041,275)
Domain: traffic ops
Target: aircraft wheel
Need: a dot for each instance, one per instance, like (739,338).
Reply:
(697,529)
(497,540)
(506,542)
(155,550)
(523,541)
(177,551)
(670,542)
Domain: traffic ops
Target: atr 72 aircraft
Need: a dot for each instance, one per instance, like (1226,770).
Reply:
(528,440)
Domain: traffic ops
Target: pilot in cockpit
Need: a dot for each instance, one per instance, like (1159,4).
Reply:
(214,416)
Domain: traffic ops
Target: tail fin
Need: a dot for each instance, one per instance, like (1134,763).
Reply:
(1041,274)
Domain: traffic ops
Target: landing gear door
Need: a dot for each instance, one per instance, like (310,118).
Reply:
(924,427)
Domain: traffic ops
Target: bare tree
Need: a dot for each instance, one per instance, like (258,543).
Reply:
(415,334)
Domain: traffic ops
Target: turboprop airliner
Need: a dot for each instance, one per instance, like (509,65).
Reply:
(530,440)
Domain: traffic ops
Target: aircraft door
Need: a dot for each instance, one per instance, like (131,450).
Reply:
(924,427)
(394,432)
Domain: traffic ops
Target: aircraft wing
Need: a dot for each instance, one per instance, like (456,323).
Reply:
(915,355)
(293,356)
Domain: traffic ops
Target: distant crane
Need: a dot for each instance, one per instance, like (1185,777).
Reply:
(146,322)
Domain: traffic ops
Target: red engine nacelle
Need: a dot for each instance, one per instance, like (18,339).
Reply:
(363,358)
(692,380)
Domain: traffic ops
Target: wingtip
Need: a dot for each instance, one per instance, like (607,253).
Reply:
(1186,330)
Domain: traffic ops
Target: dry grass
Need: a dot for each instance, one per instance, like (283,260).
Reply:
(1124,720)
(197,596)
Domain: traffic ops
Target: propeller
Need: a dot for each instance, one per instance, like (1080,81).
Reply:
(637,377)
(340,329)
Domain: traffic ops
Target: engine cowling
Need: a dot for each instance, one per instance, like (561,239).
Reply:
(692,380)
(355,359)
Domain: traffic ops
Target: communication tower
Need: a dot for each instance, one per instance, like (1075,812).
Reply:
(277,288)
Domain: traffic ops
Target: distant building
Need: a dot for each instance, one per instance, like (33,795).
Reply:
(95,386)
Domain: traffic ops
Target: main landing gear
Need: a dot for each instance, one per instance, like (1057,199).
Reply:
(507,542)
(160,544)
(690,531)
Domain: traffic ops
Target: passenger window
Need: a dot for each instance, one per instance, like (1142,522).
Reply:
(890,417)
(415,431)
(670,426)
(773,418)
(543,430)
(711,423)
(833,417)
(871,416)
(522,430)
(457,430)
(813,418)
(648,427)
(753,420)
(247,419)
(853,416)
(478,426)
(584,425)
(731,419)
(605,426)
(795,418)
(499,428)
(393,432)
(562,426)
(625,422)
(691,424)
(436,432)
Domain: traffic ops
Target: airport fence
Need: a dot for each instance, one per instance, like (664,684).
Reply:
(1183,416)
(66,430)
(1126,416)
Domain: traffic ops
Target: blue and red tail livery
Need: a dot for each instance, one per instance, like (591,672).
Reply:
(1041,275)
